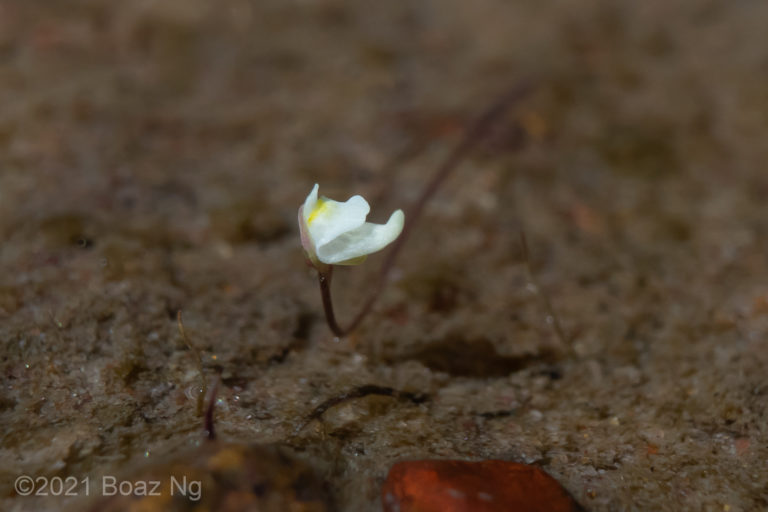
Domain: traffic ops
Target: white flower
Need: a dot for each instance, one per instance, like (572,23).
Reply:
(336,233)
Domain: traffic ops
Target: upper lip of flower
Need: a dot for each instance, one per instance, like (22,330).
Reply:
(336,233)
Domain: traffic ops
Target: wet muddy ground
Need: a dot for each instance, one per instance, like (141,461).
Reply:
(153,156)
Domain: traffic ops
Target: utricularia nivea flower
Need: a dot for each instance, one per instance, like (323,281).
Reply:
(336,233)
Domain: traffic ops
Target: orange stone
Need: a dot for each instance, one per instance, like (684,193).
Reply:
(464,486)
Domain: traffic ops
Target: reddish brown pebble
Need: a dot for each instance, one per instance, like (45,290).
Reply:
(463,486)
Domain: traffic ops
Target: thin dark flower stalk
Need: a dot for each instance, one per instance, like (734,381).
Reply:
(324,277)
(472,137)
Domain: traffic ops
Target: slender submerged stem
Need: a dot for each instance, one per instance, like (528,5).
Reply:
(473,135)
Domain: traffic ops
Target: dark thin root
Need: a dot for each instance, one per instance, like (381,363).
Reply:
(360,392)
(209,429)
(561,336)
(199,358)
(503,413)
(472,137)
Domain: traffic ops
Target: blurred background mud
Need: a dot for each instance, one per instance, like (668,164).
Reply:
(153,155)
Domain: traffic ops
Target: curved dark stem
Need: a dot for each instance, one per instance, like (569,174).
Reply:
(324,277)
(473,135)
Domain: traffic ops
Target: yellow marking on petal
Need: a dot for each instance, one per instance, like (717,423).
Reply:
(320,206)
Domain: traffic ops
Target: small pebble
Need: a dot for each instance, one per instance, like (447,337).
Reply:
(464,486)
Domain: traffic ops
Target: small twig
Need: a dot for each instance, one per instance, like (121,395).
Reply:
(209,428)
(199,358)
(359,392)
(564,340)
(474,135)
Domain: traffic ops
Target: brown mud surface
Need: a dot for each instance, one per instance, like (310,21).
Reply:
(153,156)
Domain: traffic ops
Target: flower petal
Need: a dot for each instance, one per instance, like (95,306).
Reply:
(326,219)
(359,242)
(310,202)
